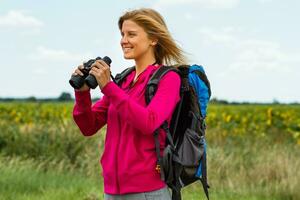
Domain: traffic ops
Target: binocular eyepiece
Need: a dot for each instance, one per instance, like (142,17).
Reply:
(77,81)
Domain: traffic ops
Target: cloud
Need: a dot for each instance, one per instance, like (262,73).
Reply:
(265,1)
(247,53)
(47,54)
(39,71)
(188,16)
(210,4)
(17,18)
(264,56)
(211,37)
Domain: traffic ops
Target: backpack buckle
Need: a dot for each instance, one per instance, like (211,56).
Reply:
(157,168)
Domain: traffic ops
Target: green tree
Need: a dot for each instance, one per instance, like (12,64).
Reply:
(65,96)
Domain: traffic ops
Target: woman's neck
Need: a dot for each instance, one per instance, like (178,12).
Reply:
(142,64)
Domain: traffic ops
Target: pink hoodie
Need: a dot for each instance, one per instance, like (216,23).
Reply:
(129,157)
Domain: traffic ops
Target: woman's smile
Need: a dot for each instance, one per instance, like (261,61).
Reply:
(127,49)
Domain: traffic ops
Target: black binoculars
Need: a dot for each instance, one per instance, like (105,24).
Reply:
(77,81)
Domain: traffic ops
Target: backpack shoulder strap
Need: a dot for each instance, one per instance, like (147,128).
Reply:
(121,76)
(154,80)
(149,94)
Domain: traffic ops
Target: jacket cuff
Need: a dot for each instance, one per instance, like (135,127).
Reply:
(83,99)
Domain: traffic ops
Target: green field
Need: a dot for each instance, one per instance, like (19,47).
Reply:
(253,153)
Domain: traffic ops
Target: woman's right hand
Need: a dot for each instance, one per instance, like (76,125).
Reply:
(78,71)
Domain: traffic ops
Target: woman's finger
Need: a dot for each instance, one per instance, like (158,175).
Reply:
(103,64)
(96,71)
(96,65)
(80,67)
(78,71)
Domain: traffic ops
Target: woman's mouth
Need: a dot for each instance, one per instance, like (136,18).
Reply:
(126,49)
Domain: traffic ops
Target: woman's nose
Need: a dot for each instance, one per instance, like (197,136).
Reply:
(124,40)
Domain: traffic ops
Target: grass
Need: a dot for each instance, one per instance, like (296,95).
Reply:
(26,180)
(255,171)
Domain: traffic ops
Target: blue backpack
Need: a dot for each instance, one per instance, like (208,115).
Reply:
(184,158)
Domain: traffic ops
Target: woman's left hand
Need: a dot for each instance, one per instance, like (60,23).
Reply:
(101,71)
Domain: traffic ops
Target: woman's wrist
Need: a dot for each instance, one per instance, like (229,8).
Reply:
(83,88)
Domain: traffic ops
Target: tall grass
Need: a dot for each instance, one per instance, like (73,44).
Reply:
(27,180)
(256,169)
(257,172)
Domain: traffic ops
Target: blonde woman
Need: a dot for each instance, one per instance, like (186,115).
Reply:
(129,158)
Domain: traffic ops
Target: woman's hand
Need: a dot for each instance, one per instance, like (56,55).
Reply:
(101,71)
(79,72)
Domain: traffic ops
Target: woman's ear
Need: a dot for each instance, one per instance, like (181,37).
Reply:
(154,42)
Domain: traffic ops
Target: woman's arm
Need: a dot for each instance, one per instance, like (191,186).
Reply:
(89,118)
(147,119)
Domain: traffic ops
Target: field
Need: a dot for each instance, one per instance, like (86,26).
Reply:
(253,153)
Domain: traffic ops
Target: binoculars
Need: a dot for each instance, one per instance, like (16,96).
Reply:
(78,81)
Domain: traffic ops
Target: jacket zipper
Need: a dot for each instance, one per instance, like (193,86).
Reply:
(127,90)
(117,157)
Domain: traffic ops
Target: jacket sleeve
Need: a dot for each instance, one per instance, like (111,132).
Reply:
(147,119)
(89,118)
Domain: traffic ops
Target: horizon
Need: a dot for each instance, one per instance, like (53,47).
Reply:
(213,99)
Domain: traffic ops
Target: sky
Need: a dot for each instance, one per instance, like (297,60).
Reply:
(249,49)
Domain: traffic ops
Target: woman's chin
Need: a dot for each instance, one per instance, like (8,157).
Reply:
(128,56)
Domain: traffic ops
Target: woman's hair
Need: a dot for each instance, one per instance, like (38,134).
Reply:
(166,50)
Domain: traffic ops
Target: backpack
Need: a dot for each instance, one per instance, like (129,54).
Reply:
(184,157)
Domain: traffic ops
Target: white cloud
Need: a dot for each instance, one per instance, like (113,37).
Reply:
(265,1)
(263,56)
(210,4)
(17,18)
(248,55)
(46,54)
(210,36)
(39,71)
(188,16)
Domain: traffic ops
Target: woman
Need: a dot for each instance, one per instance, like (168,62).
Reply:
(129,159)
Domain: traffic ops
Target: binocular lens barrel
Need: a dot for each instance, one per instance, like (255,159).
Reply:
(76,82)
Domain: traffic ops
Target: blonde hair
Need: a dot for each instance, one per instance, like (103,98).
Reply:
(166,50)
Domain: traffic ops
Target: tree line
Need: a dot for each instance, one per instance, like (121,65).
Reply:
(66,96)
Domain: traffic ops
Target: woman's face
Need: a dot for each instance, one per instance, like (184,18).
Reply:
(135,42)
